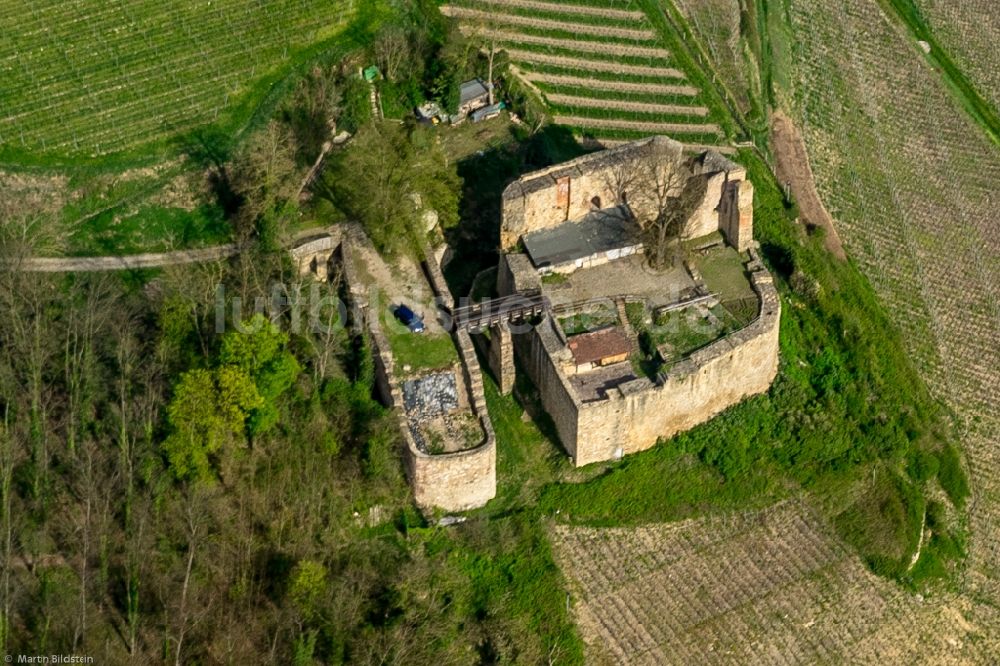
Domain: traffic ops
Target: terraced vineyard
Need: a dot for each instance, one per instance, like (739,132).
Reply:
(86,78)
(911,181)
(601,67)
(772,587)
(717,23)
(970,31)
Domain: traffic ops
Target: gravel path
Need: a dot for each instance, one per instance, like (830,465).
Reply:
(625,105)
(639,125)
(594,65)
(566,8)
(604,48)
(619,86)
(547,24)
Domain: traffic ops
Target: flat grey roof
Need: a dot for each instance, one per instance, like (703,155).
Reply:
(471,89)
(600,231)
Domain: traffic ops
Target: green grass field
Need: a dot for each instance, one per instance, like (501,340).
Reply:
(84,80)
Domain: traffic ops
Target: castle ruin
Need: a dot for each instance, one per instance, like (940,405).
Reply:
(670,347)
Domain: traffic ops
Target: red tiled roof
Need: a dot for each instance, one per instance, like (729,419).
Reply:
(598,345)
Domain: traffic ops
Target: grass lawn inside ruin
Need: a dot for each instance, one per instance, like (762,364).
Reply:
(420,351)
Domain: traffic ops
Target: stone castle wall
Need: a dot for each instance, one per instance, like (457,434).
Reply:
(736,213)
(313,255)
(549,197)
(635,415)
(456,481)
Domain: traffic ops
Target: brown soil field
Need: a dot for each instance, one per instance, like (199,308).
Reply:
(619,123)
(768,587)
(586,46)
(594,65)
(618,86)
(568,8)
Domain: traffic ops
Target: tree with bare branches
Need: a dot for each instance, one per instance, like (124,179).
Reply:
(664,194)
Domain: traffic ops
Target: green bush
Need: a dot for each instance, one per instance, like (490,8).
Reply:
(952,477)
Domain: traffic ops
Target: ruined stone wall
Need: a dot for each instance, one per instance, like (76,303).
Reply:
(546,198)
(456,481)
(500,355)
(736,213)
(638,413)
(539,351)
(712,379)
(515,273)
(705,218)
(549,197)
(313,255)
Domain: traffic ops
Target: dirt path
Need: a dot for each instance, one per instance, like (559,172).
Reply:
(792,169)
(125,262)
(558,7)
(594,65)
(618,86)
(145,260)
(587,46)
(492,17)
(639,125)
(624,105)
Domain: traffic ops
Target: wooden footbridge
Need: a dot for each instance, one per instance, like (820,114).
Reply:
(518,307)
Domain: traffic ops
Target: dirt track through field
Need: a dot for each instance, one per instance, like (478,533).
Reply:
(638,125)
(617,86)
(583,45)
(594,65)
(567,8)
(793,170)
(547,24)
(625,105)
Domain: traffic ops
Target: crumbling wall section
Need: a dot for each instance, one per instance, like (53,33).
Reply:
(736,214)
(539,351)
(549,197)
(313,255)
(546,198)
(456,481)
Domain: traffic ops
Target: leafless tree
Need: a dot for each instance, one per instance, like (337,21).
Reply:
(89,307)
(392,50)
(665,194)
(621,177)
(265,176)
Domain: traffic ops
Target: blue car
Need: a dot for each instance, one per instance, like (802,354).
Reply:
(409,319)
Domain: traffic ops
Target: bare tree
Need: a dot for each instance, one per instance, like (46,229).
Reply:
(665,194)
(266,178)
(392,50)
(89,306)
(621,177)
(10,457)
